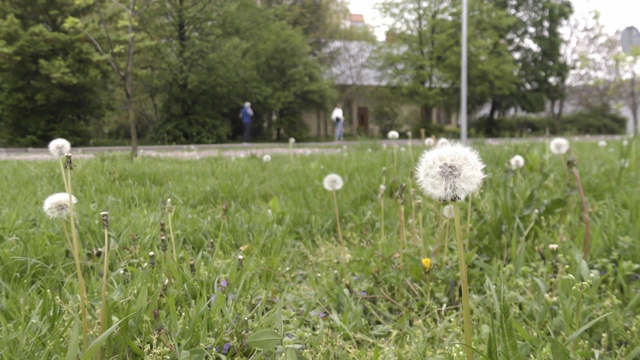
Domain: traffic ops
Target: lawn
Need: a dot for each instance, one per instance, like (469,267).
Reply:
(260,271)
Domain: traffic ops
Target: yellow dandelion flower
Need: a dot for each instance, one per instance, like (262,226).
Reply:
(426,264)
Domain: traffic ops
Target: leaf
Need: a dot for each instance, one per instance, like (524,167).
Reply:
(71,23)
(585,327)
(74,347)
(291,354)
(633,354)
(559,351)
(264,339)
(554,206)
(507,333)
(97,343)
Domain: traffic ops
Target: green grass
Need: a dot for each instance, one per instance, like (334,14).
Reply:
(526,301)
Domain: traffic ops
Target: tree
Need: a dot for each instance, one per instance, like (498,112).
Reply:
(208,58)
(119,27)
(50,78)
(423,57)
(535,42)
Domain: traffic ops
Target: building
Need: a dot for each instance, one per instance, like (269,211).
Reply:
(367,101)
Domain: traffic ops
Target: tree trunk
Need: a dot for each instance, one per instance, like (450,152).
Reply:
(491,121)
(128,85)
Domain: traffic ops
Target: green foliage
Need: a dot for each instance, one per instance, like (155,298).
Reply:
(214,57)
(291,289)
(50,81)
(579,123)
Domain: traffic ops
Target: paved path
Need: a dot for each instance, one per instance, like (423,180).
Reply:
(257,149)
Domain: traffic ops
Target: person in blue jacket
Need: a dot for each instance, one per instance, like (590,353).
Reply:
(246,114)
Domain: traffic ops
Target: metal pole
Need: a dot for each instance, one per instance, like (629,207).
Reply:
(463,76)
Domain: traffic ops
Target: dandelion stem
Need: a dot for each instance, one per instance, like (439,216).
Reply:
(424,245)
(105,270)
(76,250)
(436,253)
(394,156)
(469,213)
(466,310)
(335,205)
(382,218)
(413,222)
(585,214)
(446,239)
(173,240)
(403,235)
(566,168)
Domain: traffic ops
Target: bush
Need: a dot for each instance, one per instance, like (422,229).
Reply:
(579,123)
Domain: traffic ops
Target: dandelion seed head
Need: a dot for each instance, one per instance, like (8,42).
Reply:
(442,142)
(57,205)
(625,142)
(393,135)
(429,142)
(292,140)
(516,162)
(266,158)
(332,182)
(559,145)
(450,172)
(59,147)
(409,134)
(447,211)
(553,247)
(602,143)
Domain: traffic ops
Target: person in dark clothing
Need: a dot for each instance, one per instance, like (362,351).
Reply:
(246,114)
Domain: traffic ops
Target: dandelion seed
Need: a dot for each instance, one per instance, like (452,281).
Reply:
(442,142)
(559,145)
(57,205)
(429,142)
(450,173)
(393,135)
(447,211)
(602,143)
(332,182)
(266,158)
(59,147)
(516,162)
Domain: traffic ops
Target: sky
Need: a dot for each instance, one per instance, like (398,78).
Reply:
(614,14)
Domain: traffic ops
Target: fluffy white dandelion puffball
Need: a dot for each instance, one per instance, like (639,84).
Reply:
(442,142)
(602,143)
(392,135)
(516,162)
(57,205)
(559,145)
(450,172)
(332,182)
(59,147)
(409,134)
(429,142)
(266,158)
(292,140)
(447,211)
